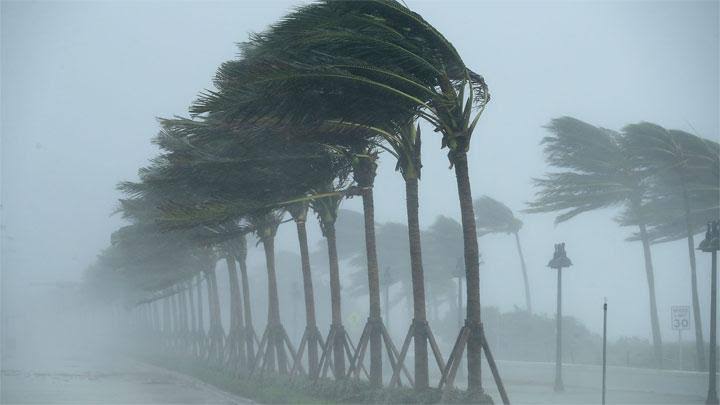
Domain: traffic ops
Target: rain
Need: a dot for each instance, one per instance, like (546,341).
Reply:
(374,201)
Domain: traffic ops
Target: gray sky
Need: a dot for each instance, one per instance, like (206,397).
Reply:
(83,81)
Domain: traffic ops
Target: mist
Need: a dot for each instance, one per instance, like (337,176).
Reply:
(83,84)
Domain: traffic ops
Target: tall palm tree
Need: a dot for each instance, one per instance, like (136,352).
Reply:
(311,337)
(364,167)
(597,173)
(684,193)
(326,209)
(272,344)
(406,147)
(496,217)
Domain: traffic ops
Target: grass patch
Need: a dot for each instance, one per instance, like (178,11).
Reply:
(271,388)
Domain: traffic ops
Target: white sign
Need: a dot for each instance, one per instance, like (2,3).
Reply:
(680,317)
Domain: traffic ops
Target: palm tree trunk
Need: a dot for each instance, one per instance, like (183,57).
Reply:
(700,362)
(654,322)
(191,307)
(201,341)
(418,284)
(310,320)
(175,315)
(216,332)
(156,316)
(193,317)
(472,271)
(236,314)
(249,329)
(528,304)
(167,326)
(274,305)
(335,301)
(183,316)
(373,287)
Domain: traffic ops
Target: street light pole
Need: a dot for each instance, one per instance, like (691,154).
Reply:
(711,244)
(604,363)
(558,262)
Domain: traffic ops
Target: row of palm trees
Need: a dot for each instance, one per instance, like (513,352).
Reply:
(296,122)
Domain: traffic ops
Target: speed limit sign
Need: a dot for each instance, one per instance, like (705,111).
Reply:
(680,317)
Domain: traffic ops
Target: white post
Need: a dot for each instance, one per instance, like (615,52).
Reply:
(680,356)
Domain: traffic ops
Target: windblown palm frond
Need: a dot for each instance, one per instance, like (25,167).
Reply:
(598,173)
(685,187)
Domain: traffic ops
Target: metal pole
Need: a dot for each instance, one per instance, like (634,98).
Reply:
(712,397)
(559,387)
(680,362)
(604,364)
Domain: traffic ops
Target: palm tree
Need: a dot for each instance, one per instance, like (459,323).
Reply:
(249,336)
(346,62)
(311,337)
(364,167)
(684,193)
(492,216)
(236,340)
(274,338)
(337,345)
(598,174)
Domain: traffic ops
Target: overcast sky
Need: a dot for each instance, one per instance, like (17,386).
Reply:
(82,83)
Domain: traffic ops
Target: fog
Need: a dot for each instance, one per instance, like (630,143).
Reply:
(83,83)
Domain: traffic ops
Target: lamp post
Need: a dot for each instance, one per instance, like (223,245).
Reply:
(558,262)
(711,244)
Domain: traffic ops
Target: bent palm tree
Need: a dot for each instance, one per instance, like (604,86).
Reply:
(311,336)
(336,344)
(685,193)
(496,217)
(274,339)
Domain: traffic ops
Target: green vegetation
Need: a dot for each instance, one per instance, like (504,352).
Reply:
(272,388)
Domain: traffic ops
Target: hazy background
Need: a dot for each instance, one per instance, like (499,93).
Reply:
(83,81)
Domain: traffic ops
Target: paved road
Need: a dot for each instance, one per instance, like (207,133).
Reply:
(532,383)
(90,378)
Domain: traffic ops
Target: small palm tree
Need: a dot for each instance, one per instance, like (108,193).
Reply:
(492,216)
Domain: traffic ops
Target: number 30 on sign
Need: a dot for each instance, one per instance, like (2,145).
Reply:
(680,317)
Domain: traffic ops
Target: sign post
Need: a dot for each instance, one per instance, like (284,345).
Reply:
(680,321)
